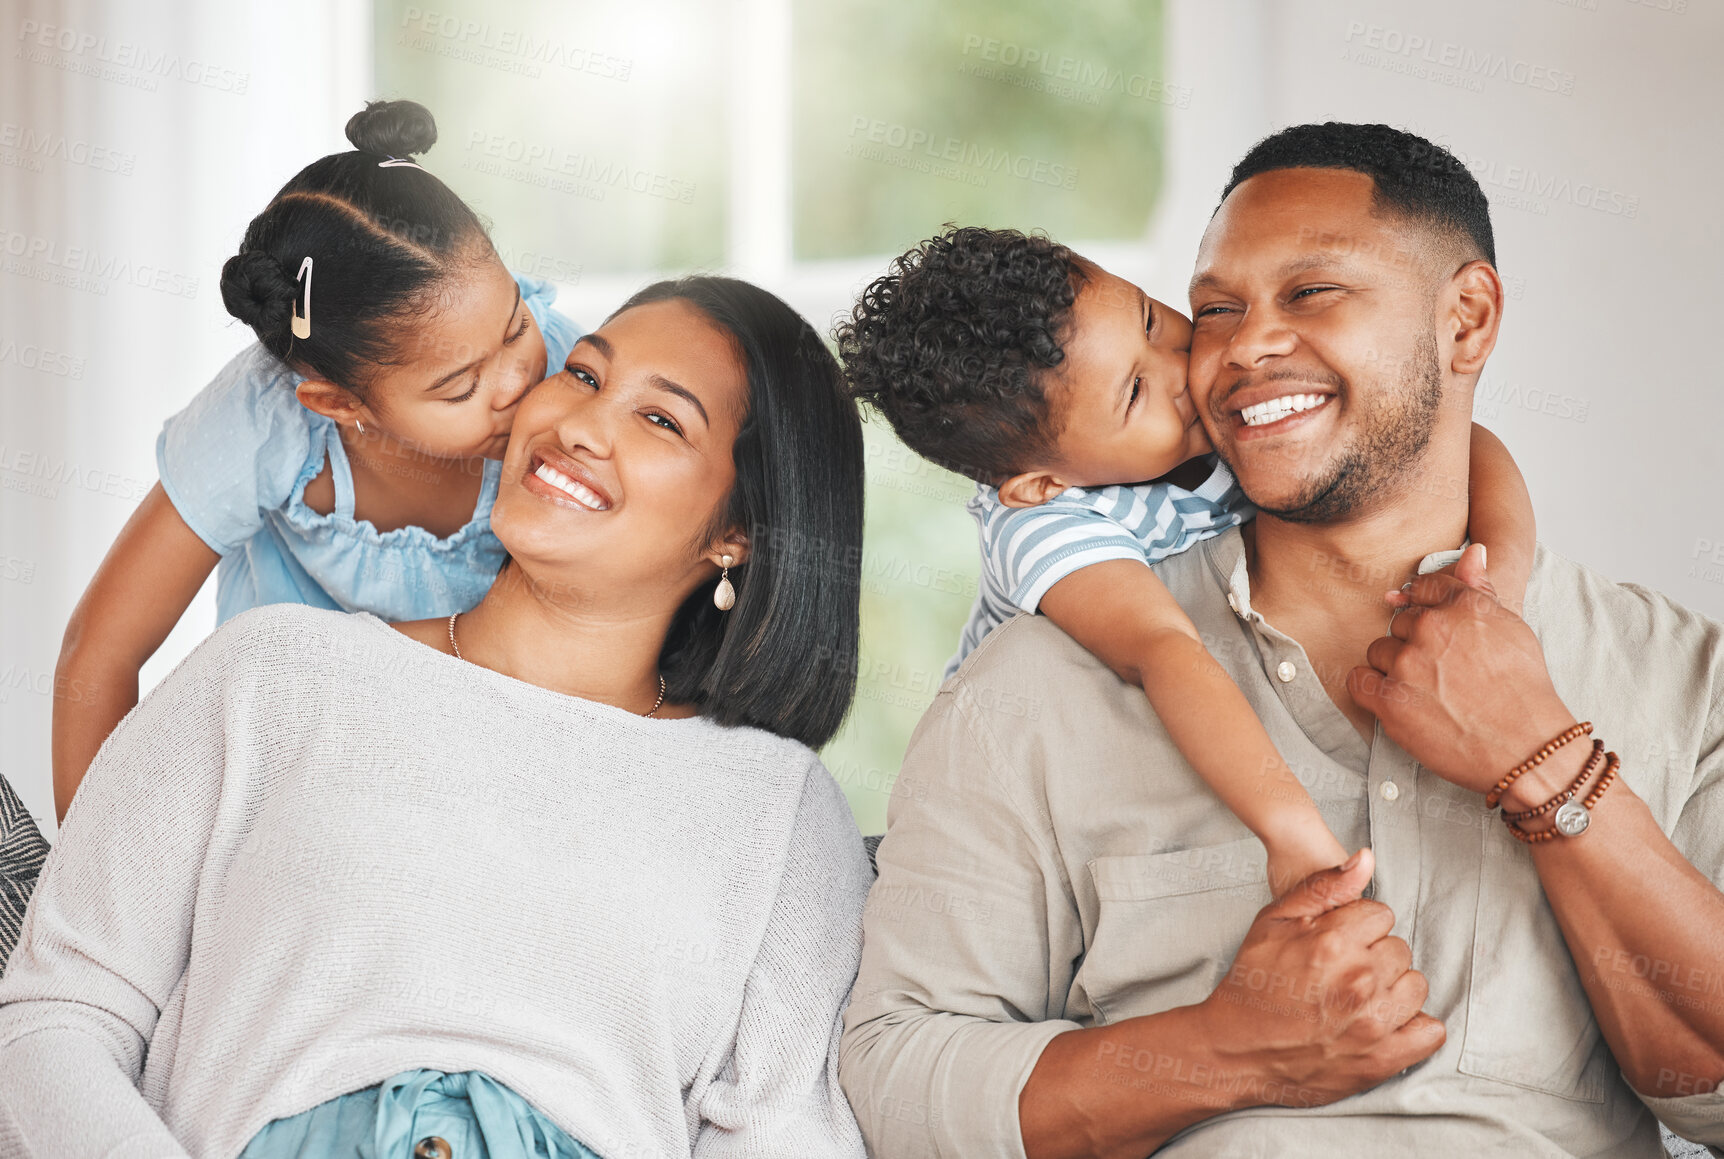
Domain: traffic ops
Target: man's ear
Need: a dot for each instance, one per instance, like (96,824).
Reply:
(331,401)
(1475,316)
(1031,489)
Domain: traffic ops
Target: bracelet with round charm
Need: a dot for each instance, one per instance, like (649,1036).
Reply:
(1574,817)
(1568,794)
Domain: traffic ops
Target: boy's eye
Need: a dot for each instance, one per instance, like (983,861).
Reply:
(664,421)
(582,376)
(1136,389)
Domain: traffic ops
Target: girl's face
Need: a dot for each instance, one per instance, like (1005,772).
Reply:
(619,467)
(460,370)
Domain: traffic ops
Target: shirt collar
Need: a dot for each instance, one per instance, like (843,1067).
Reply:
(1227,554)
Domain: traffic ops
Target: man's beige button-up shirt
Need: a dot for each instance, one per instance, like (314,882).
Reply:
(1052,862)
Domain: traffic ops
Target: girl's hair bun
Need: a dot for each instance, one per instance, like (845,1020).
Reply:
(392,128)
(256,290)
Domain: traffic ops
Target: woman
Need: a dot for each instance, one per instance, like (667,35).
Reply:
(556,876)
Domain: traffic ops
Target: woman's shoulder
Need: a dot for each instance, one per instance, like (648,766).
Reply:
(811,791)
(298,635)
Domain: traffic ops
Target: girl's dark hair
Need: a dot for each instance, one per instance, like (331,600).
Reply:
(382,238)
(784,658)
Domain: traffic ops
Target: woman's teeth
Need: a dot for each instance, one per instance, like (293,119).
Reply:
(1277,409)
(585,496)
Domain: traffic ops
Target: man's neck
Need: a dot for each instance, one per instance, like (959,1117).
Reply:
(1323,584)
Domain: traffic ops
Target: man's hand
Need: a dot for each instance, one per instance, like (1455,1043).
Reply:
(1460,682)
(1321,997)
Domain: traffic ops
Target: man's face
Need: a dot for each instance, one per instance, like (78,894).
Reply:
(1314,362)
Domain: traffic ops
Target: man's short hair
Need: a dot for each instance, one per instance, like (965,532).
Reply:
(1414,178)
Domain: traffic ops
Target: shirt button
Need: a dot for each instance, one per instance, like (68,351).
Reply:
(433,1147)
(1286,672)
(1390,790)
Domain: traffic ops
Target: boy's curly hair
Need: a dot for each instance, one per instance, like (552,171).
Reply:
(952,342)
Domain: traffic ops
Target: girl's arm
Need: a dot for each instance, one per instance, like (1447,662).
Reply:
(1125,616)
(1501,517)
(137,595)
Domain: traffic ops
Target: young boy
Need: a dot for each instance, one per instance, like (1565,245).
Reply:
(1059,388)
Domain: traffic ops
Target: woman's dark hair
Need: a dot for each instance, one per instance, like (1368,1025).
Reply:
(382,238)
(784,658)
(952,344)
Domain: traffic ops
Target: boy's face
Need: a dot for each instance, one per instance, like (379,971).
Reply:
(1120,395)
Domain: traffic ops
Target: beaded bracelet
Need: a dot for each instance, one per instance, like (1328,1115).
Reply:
(1538,758)
(1592,763)
(1611,765)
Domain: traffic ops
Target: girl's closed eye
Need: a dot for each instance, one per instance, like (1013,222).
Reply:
(471,391)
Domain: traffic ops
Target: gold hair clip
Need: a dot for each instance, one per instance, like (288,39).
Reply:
(302,322)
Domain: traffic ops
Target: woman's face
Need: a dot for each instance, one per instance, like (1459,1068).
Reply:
(619,466)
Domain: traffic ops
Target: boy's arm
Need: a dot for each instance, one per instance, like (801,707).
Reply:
(1123,614)
(1501,516)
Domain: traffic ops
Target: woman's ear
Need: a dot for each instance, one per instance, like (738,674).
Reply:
(1031,489)
(332,402)
(735,545)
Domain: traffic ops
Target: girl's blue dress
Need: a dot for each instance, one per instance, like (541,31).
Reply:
(419,1114)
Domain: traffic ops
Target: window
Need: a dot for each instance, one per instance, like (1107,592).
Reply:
(801,144)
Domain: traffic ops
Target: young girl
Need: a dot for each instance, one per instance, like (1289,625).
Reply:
(946,345)
(349,458)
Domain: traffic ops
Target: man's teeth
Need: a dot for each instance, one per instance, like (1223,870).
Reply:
(575,490)
(1277,409)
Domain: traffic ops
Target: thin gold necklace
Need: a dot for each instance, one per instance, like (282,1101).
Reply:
(457,650)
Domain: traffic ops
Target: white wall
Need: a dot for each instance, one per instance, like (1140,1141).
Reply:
(134,145)
(1610,317)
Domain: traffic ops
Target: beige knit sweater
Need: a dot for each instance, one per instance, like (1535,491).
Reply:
(321,853)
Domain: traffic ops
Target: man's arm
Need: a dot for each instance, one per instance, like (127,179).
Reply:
(1346,1018)
(955,1040)
(1462,686)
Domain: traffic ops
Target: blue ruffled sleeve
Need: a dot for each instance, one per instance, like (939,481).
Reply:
(237,450)
(560,332)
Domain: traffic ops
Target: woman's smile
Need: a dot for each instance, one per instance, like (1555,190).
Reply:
(557,477)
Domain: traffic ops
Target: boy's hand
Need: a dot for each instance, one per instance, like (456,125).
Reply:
(1292,860)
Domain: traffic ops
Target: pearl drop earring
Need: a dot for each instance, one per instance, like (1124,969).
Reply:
(724,595)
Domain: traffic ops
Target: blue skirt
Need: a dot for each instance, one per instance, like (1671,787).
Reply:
(419,1114)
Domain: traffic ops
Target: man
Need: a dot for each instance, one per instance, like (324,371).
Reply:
(1068,952)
